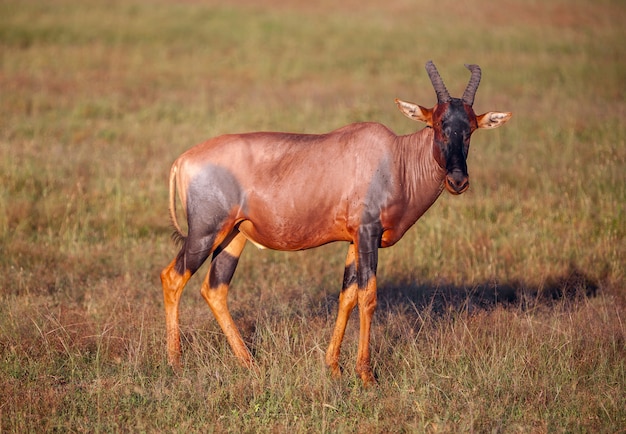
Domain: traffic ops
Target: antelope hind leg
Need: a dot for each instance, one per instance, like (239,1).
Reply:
(173,284)
(215,292)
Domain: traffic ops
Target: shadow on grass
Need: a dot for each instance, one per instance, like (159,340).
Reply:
(407,296)
(441,297)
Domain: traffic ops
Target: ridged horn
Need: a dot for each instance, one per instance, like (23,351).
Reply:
(443,95)
(472,86)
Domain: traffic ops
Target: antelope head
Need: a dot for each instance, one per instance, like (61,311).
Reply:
(453,121)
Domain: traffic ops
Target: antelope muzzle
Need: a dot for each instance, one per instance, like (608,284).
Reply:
(457,182)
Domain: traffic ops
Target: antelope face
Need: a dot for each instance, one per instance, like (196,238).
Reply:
(453,124)
(453,121)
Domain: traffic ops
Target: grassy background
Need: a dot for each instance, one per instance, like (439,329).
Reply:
(502,310)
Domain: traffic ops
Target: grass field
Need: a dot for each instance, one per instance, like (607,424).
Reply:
(502,310)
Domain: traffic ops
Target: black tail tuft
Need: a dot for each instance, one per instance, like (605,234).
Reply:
(178,238)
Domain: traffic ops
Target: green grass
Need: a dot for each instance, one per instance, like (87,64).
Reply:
(501,311)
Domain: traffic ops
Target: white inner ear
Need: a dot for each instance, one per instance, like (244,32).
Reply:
(494,119)
(409,109)
(414,111)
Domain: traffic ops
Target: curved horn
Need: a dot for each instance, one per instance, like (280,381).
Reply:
(435,79)
(470,91)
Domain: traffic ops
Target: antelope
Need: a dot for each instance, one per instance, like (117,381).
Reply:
(360,184)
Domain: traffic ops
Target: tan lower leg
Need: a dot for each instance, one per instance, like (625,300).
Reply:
(367,306)
(216,298)
(173,284)
(347,301)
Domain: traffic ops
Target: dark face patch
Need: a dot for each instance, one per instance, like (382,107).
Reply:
(453,125)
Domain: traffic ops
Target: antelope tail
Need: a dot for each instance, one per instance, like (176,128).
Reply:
(177,235)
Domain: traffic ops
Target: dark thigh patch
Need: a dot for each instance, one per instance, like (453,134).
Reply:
(211,197)
(222,269)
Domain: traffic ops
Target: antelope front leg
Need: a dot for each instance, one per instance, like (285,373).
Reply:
(367,262)
(367,306)
(347,301)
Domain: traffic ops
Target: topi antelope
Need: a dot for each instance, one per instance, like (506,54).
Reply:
(361,183)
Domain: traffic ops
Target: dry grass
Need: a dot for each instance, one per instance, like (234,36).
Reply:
(502,310)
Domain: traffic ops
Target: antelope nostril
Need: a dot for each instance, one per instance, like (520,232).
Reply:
(457,184)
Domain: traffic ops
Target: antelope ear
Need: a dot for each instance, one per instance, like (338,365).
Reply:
(493,119)
(416,112)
